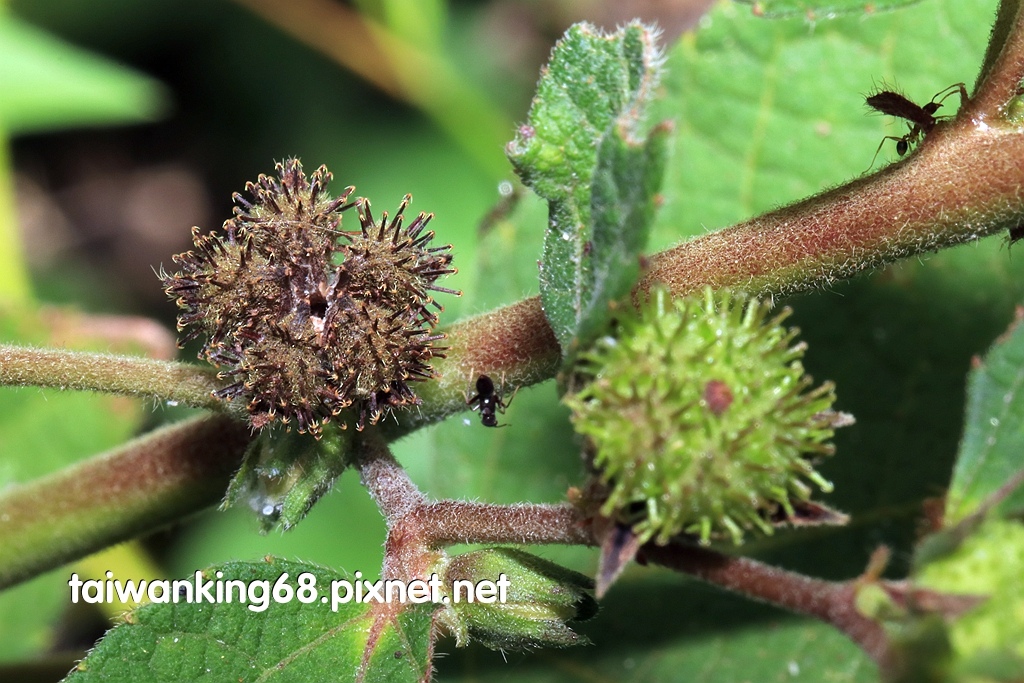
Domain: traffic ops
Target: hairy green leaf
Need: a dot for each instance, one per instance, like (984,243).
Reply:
(584,151)
(992,450)
(47,84)
(288,641)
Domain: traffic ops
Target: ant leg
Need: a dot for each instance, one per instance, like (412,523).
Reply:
(956,87)
(503,405)
(889,137)
(465,392)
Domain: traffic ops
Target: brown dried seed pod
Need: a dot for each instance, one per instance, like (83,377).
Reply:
(301,335)
(392,261)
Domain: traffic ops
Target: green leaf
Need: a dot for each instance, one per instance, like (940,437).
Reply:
(626,181)
(821,9)
(992,450)
(584,152)
(48,84)
(288,641)
(988,563)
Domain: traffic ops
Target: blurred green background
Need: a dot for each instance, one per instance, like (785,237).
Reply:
(112,162)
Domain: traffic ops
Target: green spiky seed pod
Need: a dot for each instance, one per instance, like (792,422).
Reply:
(305,318)
(700,419)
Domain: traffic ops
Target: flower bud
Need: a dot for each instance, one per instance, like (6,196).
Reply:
(531,604)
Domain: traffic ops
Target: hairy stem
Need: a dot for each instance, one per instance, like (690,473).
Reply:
(831,602)
(126,375)
(448,522)
(387,482)
(419,530)
(132,490)
(1003,67)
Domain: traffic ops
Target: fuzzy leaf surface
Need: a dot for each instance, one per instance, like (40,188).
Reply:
(583,150)
(290,641)
(992,450)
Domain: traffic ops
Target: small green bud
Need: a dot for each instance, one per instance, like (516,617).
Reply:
(701,420)
(284,473)
(532,603)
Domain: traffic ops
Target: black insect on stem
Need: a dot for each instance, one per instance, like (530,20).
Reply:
(488,401)
(921,120)
(1016,233)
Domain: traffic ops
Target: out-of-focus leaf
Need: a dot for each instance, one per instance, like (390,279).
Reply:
(988,563)
(584,151)
(293,640)
(992,450)
(14,284)
(47,84)
(821,9)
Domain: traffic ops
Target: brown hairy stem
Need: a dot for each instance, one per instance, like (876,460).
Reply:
(448,522)
(829,601)
(418,528)
(147,483)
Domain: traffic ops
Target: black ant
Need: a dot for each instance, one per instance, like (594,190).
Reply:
(920,120)
(488,401)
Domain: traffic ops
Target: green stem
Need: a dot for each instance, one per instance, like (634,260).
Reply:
(132,490)
(126,375)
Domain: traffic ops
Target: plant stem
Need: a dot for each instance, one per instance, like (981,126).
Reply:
(448,522)
(127,375)
(831,602)
(436,524)
(418,528)
(147,483)
(513,344)
(1003,66)
(387,482)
